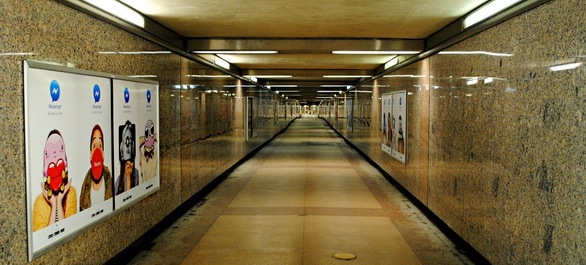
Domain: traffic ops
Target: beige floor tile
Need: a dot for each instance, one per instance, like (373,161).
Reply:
(254,232)
(369,257)
(352,233)
(244,257)
(269,198)
(341,198)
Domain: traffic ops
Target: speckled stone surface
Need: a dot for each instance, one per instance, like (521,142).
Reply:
(56,33)
(507,156)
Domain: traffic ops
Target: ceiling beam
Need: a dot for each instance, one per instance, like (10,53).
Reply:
(303,45)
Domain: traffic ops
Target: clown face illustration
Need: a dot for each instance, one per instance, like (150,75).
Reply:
(55,172)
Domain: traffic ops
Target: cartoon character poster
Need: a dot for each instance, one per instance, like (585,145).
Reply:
(68,154)
(136,143)
(394,125)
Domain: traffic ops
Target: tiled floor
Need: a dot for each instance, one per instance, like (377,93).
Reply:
(303,198)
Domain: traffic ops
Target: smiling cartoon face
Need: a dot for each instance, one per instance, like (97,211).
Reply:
(55,162)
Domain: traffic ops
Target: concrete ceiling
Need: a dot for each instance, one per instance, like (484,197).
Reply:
(305,32)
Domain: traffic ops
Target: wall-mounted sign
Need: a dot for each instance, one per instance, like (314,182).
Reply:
(394,125)
(69,134)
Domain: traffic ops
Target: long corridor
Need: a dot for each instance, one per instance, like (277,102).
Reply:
(303,198)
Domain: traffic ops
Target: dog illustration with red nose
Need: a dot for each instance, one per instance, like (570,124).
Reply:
(58,199)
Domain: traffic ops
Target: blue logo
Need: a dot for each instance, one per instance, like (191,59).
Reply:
(400,101)
(55,90)
(148,96)
(126,95)
(97,93)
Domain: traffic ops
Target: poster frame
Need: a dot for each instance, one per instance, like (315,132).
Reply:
(28,65)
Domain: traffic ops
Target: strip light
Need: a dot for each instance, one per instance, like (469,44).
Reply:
(375,52)
(209,76)
(119,10)
(268,76)
(346,76)
(392,63)
(477,52)
(222,63)
(326,91)
(487,11)
(235,52)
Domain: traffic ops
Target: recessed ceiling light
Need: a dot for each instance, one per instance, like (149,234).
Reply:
(487,11)
(222,63)
(119,10)
(375,52)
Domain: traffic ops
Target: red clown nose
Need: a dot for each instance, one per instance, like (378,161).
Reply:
(97,164)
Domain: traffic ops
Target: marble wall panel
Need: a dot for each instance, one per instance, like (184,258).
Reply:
(500,143)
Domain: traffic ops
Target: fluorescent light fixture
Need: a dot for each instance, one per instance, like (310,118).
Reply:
(477,52)
(468,95)
(239,86)
(392,63)
(487,11)
(222,63)
(375,52)
(488,80)
(119,10)
(16,53)
(235,52)
(283,86)
(324,97)
(107,53)
(326,91)
(209,76)
(363,91)
(411,76)
(253,79)
(346,76)
(146,52)
(472,82)
(289,91)
(268,76)
(142,76)
(333,85)
(563,67)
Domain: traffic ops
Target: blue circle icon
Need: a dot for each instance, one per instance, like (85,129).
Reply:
(97,93)
(148,95)
(55,90)
(126,95)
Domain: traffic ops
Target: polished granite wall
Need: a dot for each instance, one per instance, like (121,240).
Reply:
(506,148)
(194,122)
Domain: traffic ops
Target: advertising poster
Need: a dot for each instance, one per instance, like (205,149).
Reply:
(136,141)
(394,125)
(387,133)
(350,114)
(68,153)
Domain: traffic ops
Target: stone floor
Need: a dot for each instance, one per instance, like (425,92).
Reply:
(301,199)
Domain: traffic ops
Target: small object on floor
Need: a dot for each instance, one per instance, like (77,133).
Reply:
(345,256)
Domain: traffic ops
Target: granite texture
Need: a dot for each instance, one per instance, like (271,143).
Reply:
(191,131)
(502,160)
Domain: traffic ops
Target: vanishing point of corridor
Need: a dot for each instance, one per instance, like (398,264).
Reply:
(303,198)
